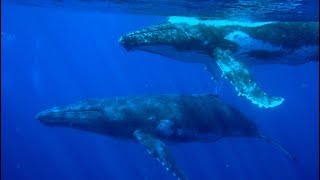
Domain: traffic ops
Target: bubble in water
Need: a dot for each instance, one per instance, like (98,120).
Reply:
(18,165)
(7,38)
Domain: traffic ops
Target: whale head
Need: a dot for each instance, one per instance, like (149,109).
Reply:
(166,34)
(84,115)
(179,41)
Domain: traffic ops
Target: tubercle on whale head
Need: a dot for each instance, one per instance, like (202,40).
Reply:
(162,34)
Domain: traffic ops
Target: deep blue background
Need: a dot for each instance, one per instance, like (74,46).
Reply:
(53,57)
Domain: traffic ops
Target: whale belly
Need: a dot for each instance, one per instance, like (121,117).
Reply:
(259,51)
(282,56)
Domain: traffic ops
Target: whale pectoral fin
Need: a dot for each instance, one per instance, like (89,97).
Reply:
(240,78)
(158,149)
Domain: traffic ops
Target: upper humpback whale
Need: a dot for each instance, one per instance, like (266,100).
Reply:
(231,45)
(154,120)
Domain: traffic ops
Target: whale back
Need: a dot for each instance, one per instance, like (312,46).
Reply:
(210,115)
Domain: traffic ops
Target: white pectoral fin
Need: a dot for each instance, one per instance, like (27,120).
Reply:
(241,79)
(159,150)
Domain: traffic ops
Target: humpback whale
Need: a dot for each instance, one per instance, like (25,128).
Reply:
(155,120)
(230,46)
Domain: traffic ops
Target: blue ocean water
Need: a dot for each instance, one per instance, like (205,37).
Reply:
(54,57)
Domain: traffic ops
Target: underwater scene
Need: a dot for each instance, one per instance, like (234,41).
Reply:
(159,90)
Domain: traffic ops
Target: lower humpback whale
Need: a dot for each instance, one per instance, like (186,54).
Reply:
(154,120)
(231,45)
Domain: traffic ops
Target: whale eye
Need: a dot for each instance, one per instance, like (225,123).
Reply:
(165,127)
(205,43)
(55,109)
(151,118)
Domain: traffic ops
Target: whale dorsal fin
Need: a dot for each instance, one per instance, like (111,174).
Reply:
(159,150)
(241,79)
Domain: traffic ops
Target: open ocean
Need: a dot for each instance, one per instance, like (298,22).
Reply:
(55,55)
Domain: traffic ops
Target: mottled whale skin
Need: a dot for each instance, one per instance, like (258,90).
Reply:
(154,120)
(192,40)
(230,46)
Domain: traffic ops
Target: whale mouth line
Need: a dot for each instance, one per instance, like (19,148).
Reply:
(51,116)
(68,111)
(77,111)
